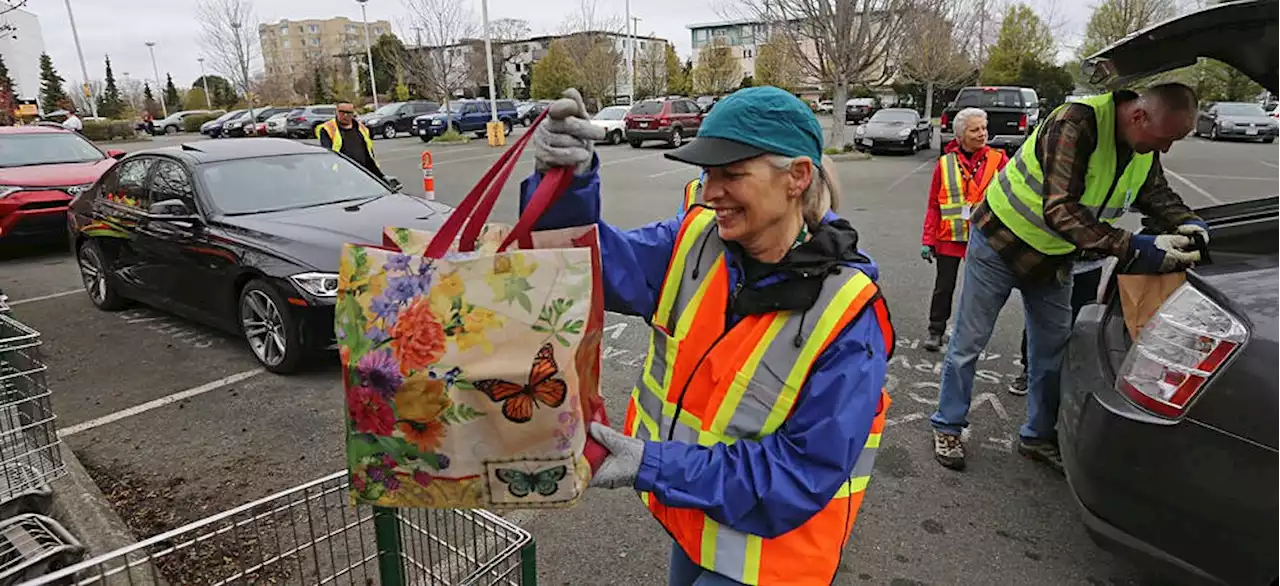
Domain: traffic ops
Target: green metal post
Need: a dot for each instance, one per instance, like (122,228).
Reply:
(386,529)
(529,564)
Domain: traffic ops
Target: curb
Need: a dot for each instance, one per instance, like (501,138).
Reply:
(853,156)
(80,506)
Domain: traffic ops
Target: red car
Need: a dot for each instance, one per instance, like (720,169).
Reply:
(41,168)
(670,120)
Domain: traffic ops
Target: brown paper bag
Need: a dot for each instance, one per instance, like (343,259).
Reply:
(1142,295)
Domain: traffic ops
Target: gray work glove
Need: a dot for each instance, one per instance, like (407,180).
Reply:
(621,467)
(566,138)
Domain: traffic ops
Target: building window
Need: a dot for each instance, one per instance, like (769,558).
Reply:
(377,30)
(299,28)
(315,42)
(351,28)
(315,28)
(286,43)
(284,30)
(720,33)
(643,45)
(747,53)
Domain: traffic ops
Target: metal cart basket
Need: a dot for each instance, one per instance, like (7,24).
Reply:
(30,456)
(312,535)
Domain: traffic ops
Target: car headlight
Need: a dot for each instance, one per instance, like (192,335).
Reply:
(861,130)
(5,190)
(318,284)
(904,132)
(373,121)
(437,122)
(76,190)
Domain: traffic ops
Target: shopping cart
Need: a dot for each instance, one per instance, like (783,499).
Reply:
(312,535)
(30,454)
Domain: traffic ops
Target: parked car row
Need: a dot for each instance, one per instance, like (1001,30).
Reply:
(1245,120)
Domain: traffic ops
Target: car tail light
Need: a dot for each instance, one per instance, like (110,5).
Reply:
(945,119)
(664,121)
(1022,123)
(300,119)
(1186,342)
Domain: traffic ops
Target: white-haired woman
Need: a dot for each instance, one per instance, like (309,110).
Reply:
(964,170)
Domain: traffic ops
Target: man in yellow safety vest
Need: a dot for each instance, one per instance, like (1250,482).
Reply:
(348,136)
(1061,193)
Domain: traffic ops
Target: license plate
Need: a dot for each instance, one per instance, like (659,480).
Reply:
(644,125)
(422,131)
(867,142)
(1251,132)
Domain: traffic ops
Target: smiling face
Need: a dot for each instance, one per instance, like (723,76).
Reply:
(753,197)
(975,133)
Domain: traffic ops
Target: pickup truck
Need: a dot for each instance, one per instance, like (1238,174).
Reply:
(1012,113)
(465,116)
(1169,441)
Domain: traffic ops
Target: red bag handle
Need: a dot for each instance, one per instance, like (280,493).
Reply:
(475,225)
(439,244)
(555,182)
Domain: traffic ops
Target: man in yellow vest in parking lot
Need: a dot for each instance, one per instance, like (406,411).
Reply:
(348,136)
(1060,194)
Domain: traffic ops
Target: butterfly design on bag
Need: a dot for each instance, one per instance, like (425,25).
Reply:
(518,401)
(522,484)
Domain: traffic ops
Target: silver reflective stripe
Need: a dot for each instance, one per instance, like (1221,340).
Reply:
(683,433)
(951,166)
(866,461)
(657,358)
(767,382)
(706,251)
(731,552)
(1111,213)
(957,228)
(1020,206)
(1035,184)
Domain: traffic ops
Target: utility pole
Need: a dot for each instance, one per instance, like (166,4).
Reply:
(208,102)
(84,71)
(631,58)
(368,49)
(151,46)
(418,35)
(635,28)
(242,52)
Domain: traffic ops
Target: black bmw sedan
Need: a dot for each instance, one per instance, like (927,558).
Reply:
(243,235)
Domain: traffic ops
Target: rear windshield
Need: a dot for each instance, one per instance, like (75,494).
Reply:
(989,98)
(647,108)
(1240,110)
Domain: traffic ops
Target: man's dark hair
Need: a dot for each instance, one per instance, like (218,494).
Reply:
(1173,97)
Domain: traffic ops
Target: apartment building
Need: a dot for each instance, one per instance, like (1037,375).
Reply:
(288,45)
(21,45)
(517,59)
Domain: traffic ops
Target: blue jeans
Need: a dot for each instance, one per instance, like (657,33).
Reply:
(684,572)
(987,284)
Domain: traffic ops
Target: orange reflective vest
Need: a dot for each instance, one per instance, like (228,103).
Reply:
(335,134)
(705,385)
(691,192)
(962,192)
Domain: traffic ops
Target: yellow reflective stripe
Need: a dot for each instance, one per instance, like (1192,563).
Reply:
(737,389)
(646,376)
(691,310)
(709,531)
(751,569)
(873,441)
(644,497)
(814,344)
(691,193)
(679,258)
(642,417)
(852,487)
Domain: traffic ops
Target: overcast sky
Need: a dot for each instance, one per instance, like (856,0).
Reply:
(120,27)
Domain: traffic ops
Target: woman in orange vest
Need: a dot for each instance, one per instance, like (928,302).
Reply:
(752,430)
(961,176)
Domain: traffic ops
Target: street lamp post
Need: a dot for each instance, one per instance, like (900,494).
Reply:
(635,26)
(208,103)
(243,54)
(151,46)
(496,131)
(84,71)
(368,49)
(631,56)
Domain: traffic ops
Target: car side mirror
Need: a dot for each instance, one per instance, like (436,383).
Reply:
(171,210)
(116,154)
(395,184)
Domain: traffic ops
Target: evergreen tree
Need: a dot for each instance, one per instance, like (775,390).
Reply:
(110,104)
(149,101)
(8,103)
(52,95)
(319,93)
(171,96)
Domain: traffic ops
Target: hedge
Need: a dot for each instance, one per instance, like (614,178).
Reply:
(192,123)
(108,130)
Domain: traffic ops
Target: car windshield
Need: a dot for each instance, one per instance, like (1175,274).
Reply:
(893,116)
(647,108)
(1240,110)
(51,148)
(229,116)
(387,109)
(989,98)
(266,184)
(611,114)
(454,107)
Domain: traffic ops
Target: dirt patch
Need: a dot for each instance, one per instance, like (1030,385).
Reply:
(151,504)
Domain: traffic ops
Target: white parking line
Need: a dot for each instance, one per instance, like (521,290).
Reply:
(635,158)
(1193,186)
(899,180)
(44,297)
(681,169)
(161,402)
(1241,177)
(1270,164)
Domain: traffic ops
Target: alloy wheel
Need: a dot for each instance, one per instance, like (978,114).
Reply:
(263,327)
(388,131)
(92,275)
(676,138)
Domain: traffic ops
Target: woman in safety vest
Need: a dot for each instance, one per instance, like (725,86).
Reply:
(961,176)
(751,433)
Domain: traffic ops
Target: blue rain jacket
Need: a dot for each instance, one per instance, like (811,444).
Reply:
(767,487)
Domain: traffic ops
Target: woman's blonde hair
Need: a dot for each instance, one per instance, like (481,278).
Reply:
(823,193)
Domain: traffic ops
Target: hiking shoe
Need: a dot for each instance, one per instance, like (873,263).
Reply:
(1042,451)
(948,450)
(1019,385)
(933,342)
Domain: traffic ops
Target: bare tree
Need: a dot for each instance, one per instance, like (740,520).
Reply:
(229,36)
(590,37)
(80,100)
(938,45)
(651,71)
(441,64)
(1113,19)
(840,42)
(717,70)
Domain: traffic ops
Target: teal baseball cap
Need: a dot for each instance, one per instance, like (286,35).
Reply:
(752,122)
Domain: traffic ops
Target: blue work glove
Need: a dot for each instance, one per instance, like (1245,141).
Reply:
(566,138)
(926,253)
(1195,227)
(1160,254)
(621,467)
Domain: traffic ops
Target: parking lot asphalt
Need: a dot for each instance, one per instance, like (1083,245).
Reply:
(184,416)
